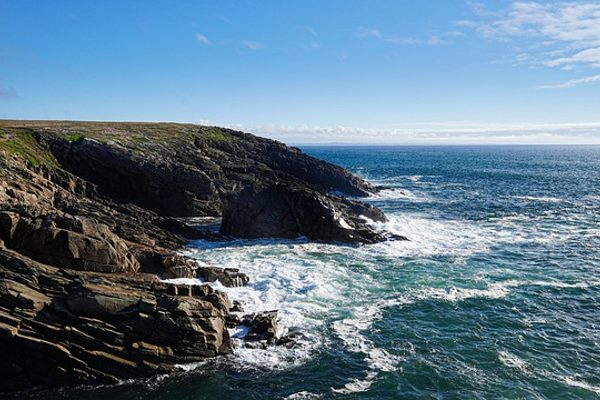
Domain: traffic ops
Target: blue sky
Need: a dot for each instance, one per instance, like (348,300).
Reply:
(443,71)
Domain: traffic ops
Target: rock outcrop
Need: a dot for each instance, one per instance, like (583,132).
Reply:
(91,217)
(288,210)
(184,170)
(64,327)
(261,326)
(67,241)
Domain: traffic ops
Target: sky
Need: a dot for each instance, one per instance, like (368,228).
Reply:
(312,71)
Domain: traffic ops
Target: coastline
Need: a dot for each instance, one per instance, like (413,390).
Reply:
(88,224)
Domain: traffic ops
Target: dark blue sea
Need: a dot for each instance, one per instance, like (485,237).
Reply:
(495,296)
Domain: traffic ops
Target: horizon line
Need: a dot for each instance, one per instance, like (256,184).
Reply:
(437,133)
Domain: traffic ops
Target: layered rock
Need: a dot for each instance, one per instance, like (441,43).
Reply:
(67,241)
(63,327)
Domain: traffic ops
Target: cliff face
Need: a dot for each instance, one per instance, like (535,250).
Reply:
(184,170)
(87,222)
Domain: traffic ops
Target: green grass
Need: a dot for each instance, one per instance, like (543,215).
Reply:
(20,143)
(217,135)
(74,137)
(136,136)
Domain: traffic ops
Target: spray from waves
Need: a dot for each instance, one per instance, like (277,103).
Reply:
(310,282)
(286,278)
(428,237)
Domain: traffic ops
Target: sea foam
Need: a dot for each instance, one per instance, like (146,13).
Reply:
(319,286)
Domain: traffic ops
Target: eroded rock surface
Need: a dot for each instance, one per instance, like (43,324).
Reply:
(91,217)
(63,327)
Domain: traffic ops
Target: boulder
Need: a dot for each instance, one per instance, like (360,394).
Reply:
(287,210)
(230,277)
(236,307)
(261,326)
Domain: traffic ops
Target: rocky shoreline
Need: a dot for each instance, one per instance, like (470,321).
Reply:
(92,216)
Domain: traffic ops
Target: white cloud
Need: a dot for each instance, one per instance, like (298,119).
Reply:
(572,83)
(454,33)
(369,33)
(201,38)
(433,40)
(400,40)
(590,56)
(568,33)
(452,132)
(252,45)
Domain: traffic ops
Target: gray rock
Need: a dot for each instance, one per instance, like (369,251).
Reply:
(63,328)
(262,326)
(288,210)
(230,277)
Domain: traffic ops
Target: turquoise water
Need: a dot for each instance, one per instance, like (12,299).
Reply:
(496,295)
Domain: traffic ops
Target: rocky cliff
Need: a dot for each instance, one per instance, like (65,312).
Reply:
(91,217)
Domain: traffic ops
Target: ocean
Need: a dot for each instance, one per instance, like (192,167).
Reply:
(495,295)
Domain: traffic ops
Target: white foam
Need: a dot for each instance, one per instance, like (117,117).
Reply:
(396,194)
(191,366)
(552,284)
(529,321)
(558,284)
(571,381)
(512,361)
(357,385)
(303,395)
(184,281)
(350,331)
(399,178)
(307,284)
(282,278)
(543,199)
(541,229)
(378,359)
(429,237)
(311,286)
(342,222)
(455,294)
